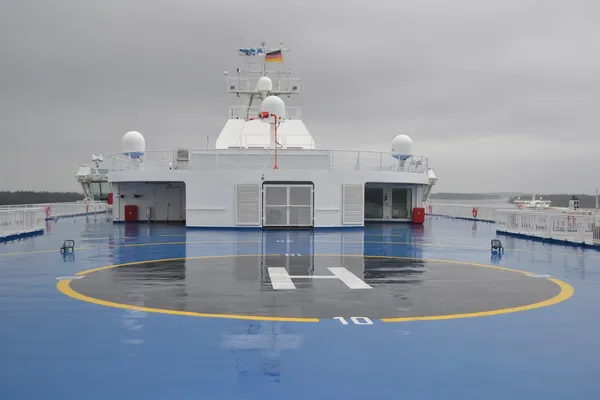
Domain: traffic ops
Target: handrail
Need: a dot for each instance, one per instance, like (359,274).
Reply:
(42,205)
(254,158)
(57,210)
(19,221)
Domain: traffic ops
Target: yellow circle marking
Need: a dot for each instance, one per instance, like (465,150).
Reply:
(566,291)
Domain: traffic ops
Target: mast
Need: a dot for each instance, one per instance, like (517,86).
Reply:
(244,84)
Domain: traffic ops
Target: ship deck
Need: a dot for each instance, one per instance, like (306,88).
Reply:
(144,311)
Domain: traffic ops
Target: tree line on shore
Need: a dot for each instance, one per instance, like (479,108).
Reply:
(36,197)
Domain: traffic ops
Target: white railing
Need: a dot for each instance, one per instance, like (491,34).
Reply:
(575,227)
(244,84)
(552,225)
(211,159)
(464,211)
(251,140)
(53,210)
(19,221)
(243,112)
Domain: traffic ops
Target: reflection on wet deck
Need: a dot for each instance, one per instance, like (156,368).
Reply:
(46,336)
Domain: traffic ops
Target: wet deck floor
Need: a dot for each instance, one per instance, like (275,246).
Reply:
(513,331)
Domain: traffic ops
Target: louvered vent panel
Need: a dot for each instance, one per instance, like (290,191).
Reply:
(353,204)
(247,204)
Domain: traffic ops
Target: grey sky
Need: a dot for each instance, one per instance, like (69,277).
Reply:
(500,95)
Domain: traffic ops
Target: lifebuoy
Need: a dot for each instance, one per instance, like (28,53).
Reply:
(520,205)
(430,208)
(47,211)
(475,212)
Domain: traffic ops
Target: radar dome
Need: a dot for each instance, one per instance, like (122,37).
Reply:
(133,144)
(264,84)
(402,147)
(273,105)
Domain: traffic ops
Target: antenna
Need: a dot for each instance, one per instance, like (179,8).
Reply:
(264,66)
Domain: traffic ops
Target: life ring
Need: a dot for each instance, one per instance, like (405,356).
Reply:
(520,206)
(429,208)
(47,211)
(475,212)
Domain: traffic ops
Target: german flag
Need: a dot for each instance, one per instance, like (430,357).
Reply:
(274,56)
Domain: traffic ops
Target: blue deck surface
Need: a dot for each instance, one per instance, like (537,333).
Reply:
(55,346)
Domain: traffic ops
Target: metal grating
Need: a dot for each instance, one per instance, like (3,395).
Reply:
(247,204)
(353,204)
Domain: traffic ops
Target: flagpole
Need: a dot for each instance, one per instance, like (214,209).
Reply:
(263,43)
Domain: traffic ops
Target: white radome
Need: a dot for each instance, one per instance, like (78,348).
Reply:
(273,105)
(133,144)
(402,147)
(264,84)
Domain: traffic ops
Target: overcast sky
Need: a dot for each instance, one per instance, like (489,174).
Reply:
(500,95)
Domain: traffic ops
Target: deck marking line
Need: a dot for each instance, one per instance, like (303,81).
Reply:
(351,280)
(72,277)
(566,291)
(280,279)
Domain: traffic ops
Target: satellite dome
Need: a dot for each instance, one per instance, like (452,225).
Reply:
(264,84)
(402,147)
(273,105)
(133,144)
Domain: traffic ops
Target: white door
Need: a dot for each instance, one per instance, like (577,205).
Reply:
(288,205)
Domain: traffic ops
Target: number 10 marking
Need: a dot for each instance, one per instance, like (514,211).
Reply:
(355,320)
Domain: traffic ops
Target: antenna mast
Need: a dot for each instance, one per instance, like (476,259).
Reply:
(264,66)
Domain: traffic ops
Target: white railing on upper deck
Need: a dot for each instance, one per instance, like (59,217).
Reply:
(21,220)
(52,210)
(211,159)
(464,211)
(248,84)
(243,112)
(552,225)
(253,141)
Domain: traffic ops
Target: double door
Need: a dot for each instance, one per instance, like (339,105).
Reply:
(288,205)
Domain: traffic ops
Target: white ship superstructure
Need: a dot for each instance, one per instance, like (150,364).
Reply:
(266,169)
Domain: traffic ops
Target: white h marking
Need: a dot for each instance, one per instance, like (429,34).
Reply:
(280,279)
(351,280)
